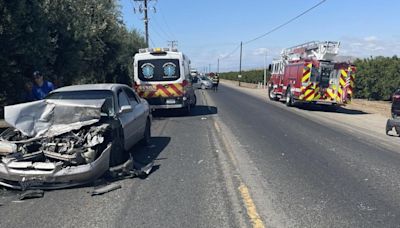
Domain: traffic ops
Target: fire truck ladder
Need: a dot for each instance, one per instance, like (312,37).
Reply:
(319,50)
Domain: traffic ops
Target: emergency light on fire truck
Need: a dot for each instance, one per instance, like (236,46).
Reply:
(308,73)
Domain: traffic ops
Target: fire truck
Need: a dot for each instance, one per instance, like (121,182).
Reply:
(308,73)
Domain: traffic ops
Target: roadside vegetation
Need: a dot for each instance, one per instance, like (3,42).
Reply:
(250,76)
(376,78)
(69,41)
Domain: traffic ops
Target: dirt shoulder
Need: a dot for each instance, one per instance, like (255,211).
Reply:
(364,118)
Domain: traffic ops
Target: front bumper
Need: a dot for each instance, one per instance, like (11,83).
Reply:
(162,102)
(171,106)
(30,175)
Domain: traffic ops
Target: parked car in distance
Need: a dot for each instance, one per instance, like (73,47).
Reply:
(202,82)
(71,137)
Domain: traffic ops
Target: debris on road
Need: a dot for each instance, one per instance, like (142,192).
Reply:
(199,162)
(105,189)
(30,194)
(130,169)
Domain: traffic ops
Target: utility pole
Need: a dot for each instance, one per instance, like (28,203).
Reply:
(209,68)
(172,44)
(240,63)
(265,68)
(145,19)
(218,67)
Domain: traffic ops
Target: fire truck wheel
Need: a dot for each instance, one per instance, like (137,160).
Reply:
(289,98)
(271,94)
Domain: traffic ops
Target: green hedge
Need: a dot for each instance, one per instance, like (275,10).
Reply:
(377,78)
(250,76)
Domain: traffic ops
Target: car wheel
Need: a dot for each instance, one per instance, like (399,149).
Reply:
(118,154)
(203,86)
(186,110)
(193,104)
(147,134)
(289,98)
(271,94)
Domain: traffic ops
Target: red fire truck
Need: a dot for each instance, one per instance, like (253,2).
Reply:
(307,73)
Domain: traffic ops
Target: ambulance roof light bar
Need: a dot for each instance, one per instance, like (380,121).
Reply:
(156,50)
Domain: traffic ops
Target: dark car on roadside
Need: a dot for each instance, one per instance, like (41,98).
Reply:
(396,104)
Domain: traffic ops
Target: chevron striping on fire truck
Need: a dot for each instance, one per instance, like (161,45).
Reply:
(308,73)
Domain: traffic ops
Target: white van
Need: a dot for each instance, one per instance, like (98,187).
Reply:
(162,77)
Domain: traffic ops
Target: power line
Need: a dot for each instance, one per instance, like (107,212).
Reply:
(287,22)
(161,29)
(230,53)
(167,25)
(144,9)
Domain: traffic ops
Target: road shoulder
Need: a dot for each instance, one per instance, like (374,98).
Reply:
(370,127)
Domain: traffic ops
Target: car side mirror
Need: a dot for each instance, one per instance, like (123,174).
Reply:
(125,109)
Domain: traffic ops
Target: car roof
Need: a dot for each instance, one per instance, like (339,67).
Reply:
(87,87)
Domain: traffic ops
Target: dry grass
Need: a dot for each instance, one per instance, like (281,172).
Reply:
(375,107)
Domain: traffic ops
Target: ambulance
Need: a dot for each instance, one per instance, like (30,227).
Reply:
(162,77)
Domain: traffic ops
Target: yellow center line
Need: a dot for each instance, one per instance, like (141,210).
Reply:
(250,207)
(217,127)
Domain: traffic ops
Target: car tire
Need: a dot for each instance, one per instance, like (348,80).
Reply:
(289,98)
(186,111)
(118,154)
(203,86)
(193,104)
(271,96)
(147,134)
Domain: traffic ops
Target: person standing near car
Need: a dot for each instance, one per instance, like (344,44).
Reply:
(215,82)
(41,87)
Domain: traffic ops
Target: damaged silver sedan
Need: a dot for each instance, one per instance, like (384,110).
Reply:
(72,137)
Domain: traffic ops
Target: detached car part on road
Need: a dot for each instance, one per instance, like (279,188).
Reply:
(394,122)
(72,137)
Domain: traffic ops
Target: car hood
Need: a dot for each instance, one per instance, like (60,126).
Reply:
(48,118)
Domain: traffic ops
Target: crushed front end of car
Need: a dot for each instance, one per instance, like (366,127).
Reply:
(54,144)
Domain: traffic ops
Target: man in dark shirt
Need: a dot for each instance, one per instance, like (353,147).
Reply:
(41,87)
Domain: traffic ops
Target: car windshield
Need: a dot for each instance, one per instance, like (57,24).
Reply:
(204,78)
(108,106)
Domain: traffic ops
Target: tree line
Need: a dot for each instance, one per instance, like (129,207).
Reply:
(376,77)
(249,76)
(69,41)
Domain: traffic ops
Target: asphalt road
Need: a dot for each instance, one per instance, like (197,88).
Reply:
(307,174)
(300,173)
(187,187)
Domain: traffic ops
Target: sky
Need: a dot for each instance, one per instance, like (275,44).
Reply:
(209,30)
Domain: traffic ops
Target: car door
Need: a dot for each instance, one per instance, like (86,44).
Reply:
(127,119)
(140,113)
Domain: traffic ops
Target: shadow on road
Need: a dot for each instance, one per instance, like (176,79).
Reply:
(198,110)
(326,108)
(147,154)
